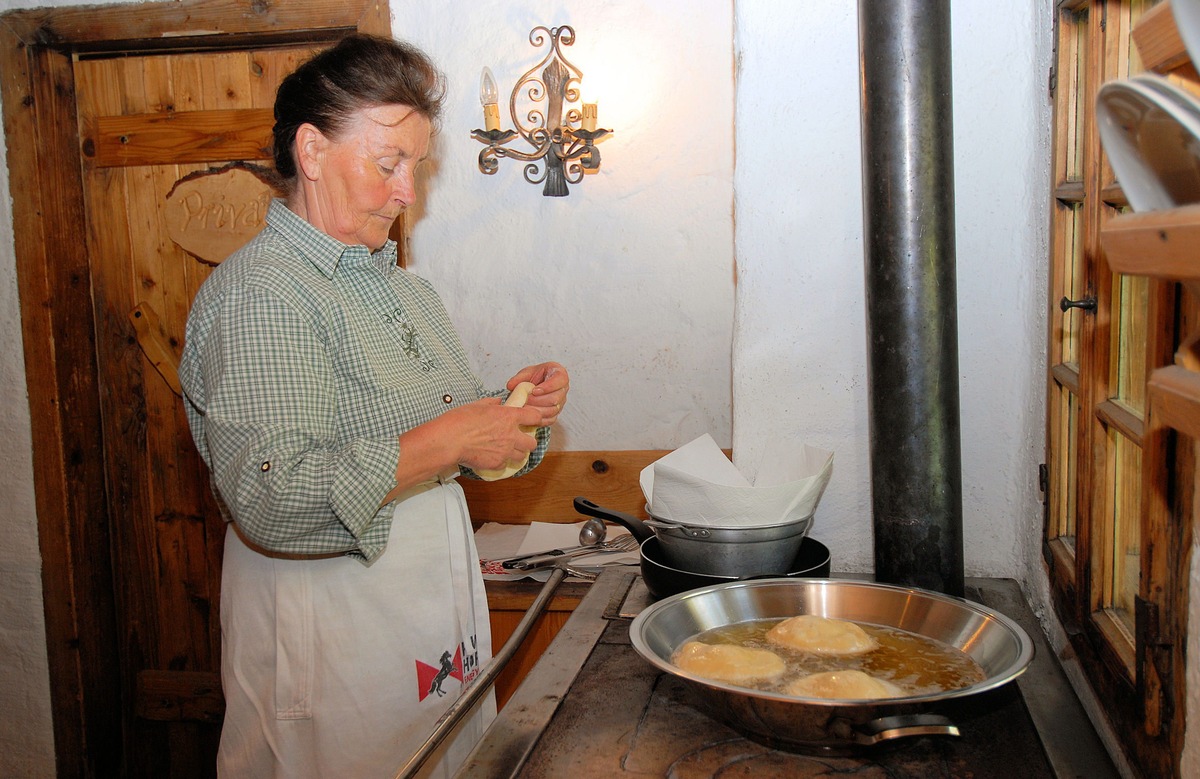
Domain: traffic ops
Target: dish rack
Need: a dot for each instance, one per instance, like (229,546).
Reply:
(1164,243)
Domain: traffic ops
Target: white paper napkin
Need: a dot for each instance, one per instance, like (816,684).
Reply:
(702,487)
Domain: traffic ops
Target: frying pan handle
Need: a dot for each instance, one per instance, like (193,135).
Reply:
(631,523)
(902,725)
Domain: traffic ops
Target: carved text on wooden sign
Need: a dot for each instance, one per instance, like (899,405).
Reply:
(212,214)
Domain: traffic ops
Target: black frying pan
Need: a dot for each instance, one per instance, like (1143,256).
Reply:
(812,561)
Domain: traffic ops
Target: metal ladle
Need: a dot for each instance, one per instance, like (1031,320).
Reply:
(592,532)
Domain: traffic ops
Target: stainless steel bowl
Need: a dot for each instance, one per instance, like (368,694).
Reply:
(736,551)
(1002,649)
(718,551)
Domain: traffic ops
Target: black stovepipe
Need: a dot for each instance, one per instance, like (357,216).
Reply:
(908,215)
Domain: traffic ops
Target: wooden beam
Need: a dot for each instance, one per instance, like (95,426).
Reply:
(186,24)
(187,136)
(59,345)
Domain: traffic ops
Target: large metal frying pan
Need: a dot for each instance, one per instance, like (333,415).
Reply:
(1002,649)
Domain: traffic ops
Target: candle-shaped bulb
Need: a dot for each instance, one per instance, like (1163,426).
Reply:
(588,122)
(489,96)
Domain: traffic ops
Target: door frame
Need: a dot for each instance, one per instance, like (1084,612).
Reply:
(37,47)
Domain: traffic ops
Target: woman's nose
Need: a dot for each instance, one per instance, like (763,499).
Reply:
(405,190)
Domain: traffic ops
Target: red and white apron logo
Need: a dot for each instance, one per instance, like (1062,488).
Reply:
(463,666)
(431,678)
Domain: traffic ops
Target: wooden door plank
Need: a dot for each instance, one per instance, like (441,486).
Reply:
(190,136)
(179,601)
(188,90)
(59,351)
(270,70)
(106,87)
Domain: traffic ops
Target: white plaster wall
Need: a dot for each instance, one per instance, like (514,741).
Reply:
(799,335)
(629,280)
(800,344)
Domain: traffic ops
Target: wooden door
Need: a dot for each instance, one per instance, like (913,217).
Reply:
(106,111)
(137,115)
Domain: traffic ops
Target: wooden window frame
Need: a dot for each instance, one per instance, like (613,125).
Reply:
(1138,675)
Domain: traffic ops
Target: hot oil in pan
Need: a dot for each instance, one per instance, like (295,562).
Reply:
(918,665)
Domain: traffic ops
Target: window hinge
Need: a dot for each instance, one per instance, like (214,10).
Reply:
(1043,477)
(1053,80)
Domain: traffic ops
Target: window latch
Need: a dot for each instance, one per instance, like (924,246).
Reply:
(1087,304)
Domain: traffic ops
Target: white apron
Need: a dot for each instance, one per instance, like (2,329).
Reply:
(334,669)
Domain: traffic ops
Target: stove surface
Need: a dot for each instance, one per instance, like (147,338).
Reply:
(594,708)
(622,717)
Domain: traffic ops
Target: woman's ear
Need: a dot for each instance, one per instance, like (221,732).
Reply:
(310,148)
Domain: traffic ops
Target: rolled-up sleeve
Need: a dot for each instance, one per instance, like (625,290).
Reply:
(269,421)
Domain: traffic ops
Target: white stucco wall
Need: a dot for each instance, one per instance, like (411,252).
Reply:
(800,343)
(629,280)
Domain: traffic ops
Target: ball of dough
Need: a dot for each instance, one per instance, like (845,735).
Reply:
(517,398)
(822,635)
(729,663)
(845,685)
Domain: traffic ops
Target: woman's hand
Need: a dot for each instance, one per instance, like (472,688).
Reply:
(489,433)
(483,434)
(549,395)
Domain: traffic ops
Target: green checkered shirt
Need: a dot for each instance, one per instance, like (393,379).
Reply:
(305,359)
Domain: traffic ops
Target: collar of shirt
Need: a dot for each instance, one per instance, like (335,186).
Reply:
(323,250)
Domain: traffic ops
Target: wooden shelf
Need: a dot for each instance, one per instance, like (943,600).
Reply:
(1161,47)
(1158,40)
(1176,395)
(1164,245)
(1161,244)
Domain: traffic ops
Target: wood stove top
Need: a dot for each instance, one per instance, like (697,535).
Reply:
(592,707)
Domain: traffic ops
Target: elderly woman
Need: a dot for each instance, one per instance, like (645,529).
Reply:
(333,403)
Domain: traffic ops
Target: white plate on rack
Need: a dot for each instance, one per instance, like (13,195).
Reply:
(1151,132)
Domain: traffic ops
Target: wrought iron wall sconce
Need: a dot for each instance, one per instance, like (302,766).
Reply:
(563,137)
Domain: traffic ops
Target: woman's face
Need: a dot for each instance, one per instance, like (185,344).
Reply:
(360,181)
